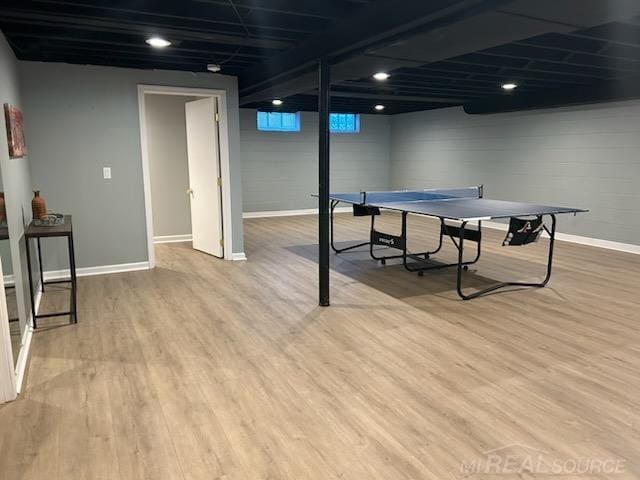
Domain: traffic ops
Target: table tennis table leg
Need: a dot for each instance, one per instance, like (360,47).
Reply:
(403,235)
(405,239)
(371,243)
(478,293)
(333,247)
(444,228)
(439,240)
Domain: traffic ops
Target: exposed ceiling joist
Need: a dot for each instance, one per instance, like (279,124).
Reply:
(614,41)
(176,12)
(327,9)
(174,50)
(136,28)
(399,98)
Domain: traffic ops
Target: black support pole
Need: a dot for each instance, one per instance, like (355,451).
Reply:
(324,101)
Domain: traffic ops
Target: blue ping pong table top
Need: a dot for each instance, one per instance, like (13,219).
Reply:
(463,204)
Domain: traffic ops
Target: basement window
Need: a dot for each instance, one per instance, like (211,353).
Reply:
(279,121)
(344,123)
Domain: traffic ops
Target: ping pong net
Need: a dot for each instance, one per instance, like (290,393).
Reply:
(403,196)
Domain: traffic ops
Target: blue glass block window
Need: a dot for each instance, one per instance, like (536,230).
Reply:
(344,122)
(279,121)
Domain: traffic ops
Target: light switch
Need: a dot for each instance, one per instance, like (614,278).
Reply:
(106,173)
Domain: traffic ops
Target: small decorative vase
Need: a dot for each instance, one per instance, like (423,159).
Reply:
(3,210)
(38,206)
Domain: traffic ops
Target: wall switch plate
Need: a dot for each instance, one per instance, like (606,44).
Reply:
(106,173)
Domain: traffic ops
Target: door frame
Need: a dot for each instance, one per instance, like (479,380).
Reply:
(223,142)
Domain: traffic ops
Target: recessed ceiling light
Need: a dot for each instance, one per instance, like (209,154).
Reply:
(277,102)
(214,67)
(381,75)
(509,86)
(379,107)
(158,42)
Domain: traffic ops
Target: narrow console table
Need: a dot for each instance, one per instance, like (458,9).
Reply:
(38,232)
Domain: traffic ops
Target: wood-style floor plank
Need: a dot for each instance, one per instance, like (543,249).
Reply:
(204,369)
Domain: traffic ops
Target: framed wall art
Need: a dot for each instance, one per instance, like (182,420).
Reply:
(15,131)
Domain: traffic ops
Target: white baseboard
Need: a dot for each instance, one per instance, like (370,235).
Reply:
(238,257)
(600,243)
(172,238)
(290,213)
(102,270)
(21,364)
(25,344)
(591,242)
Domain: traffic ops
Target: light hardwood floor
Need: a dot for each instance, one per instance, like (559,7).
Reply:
(204,369)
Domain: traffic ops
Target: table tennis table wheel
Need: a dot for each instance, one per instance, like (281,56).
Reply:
(383,261)
(421,273)
(465,268)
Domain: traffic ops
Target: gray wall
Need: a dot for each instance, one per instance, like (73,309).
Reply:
(280,169)
(585,157)
(83,118)
(168,164)
(16,179)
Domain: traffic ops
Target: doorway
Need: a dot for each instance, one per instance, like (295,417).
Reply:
(185,164)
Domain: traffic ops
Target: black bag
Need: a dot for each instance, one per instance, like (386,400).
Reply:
(364,210)
(523,231)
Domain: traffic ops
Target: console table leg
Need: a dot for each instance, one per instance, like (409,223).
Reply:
(74,283)
(30,275)
(40,265)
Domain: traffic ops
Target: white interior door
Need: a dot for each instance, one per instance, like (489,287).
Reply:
(204,176)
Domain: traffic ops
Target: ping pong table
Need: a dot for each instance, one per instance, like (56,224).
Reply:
(463,206)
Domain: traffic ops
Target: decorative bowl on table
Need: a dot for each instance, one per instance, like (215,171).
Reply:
(49,220)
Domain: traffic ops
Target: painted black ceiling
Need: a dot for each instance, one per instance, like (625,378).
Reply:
(259,39)
(234,33)
(596,57)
